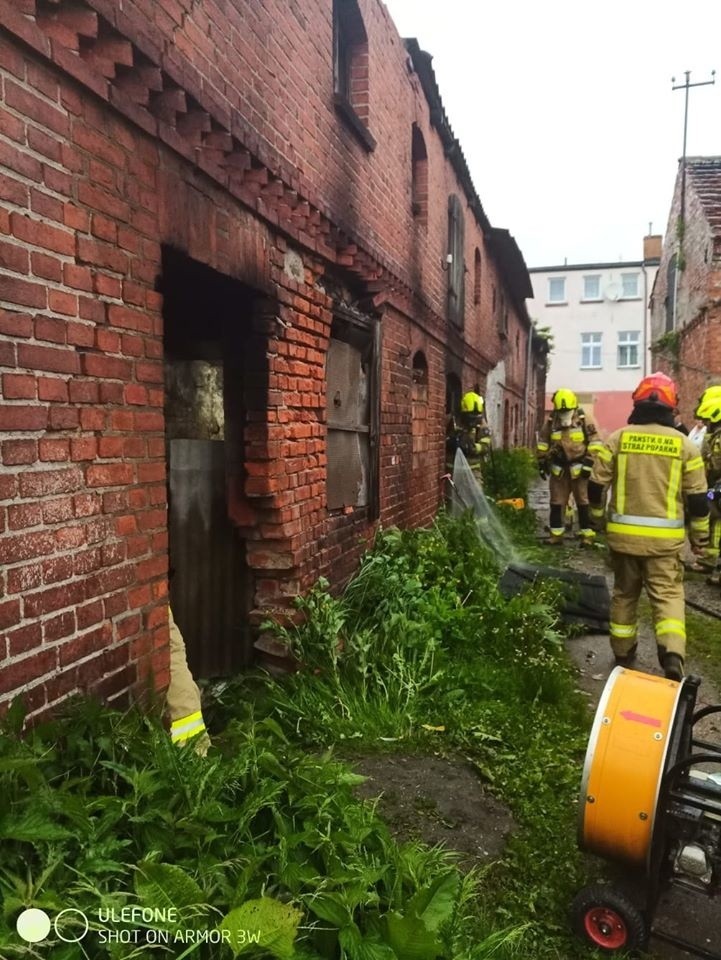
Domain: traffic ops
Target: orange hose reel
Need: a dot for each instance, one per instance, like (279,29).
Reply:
(624,765)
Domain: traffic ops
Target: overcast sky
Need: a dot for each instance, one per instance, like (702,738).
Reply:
(565,112)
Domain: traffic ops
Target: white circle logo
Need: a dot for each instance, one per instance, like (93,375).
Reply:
(69,916)
(33,925)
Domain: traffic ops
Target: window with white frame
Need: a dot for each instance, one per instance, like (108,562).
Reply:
(592,288)
(591,351)
(628,348)
(629,285)
(556,289)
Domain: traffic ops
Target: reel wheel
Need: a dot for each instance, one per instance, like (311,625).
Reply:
(608,920)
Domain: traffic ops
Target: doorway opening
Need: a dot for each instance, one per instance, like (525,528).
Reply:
(207,325)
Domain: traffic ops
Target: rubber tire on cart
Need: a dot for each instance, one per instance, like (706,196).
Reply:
(608,920)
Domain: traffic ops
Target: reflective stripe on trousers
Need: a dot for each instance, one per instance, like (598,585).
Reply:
(662,579)
(183,696)
(187,727)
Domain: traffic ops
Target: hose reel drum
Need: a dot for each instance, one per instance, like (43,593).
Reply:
(651,801)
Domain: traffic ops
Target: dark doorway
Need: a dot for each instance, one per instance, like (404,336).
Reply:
(207,318)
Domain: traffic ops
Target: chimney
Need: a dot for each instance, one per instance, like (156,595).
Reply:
(652,246)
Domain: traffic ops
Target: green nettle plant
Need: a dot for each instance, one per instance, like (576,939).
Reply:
(102,813)
(261,848)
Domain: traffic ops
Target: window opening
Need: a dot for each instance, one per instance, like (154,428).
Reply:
(591,350)
(352,385)
(477,277)
(456,263)
(628,348)
(419,164)
(556,289)
(351,86)
(629,285)
(592,288)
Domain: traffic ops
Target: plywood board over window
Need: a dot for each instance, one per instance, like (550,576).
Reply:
(352,408)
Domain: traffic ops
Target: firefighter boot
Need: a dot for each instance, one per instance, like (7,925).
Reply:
(628,659)
(586,533)
(555,526)
(673,667)
(671,663)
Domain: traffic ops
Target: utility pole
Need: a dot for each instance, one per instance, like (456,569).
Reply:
(681,225)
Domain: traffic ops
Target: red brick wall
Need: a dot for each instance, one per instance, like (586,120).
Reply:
(114,142)
(697,360)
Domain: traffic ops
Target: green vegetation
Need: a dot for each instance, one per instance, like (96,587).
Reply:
(704,645)
(265,832)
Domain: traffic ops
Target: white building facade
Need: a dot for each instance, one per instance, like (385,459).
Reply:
(598,317)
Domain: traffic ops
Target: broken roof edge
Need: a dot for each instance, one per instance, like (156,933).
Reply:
(510,258)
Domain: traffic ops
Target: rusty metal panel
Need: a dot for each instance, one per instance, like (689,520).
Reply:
(347,469)
(209,582)
(347,384)
(348,407)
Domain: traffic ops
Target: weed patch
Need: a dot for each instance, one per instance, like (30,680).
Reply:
(265,834)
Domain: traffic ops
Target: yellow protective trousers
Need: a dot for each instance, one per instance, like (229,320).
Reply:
(183,697)
(560,488)
(662,579)
(712,551)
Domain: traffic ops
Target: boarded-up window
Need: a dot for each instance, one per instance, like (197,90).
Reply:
(456,263)
(352,407)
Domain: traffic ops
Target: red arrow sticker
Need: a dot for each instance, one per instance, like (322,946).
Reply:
(640,718)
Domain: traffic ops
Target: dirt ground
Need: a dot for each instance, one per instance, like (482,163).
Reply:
(444,801)
(438,801)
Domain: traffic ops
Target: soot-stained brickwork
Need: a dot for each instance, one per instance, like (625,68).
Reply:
(210,212)
(686,297)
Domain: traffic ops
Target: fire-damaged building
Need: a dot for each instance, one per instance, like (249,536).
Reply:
(245,274)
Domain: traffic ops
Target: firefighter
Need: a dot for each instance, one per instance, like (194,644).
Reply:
(474,424)
(183,697)
(652,470)
(709,410)
(565,450)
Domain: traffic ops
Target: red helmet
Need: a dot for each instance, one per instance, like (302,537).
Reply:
(657,388)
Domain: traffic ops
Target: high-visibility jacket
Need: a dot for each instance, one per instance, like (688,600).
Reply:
(651,468)
(567,445)
(711,453)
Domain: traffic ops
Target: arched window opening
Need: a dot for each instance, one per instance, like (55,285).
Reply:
(350,68)
(420,378)
(421,418)
(419,164)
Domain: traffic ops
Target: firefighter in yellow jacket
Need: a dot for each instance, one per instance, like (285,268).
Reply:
(709,410)
(474,424)
(565,450)
(183,697)
(655,474)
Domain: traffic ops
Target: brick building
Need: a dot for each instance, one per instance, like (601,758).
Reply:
(244,265)
(686,297)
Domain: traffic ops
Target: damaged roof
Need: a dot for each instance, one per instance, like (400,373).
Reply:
(501,242)
(705,174)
